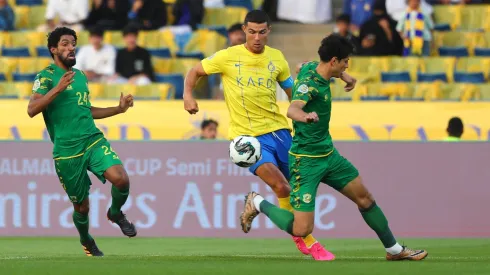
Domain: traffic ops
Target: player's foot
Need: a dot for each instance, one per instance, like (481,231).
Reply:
(91,249)
(408,254)
(300,244)
(127,227)
(249,212)
(319,253)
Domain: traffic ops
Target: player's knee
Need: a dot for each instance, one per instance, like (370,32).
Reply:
(121,180)
(365,200)
(281,188)
(82,209)
(303,230)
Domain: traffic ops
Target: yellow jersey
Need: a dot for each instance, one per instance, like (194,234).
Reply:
(249,83)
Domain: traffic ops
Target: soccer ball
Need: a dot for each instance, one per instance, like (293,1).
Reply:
(245,151)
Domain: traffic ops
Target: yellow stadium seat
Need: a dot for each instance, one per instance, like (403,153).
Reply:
(114,38)
(483,92)
(257,4)
(367,69)
(167,40)
(150,39)
(115,90)
(461,92)
(162,65)
(227,16)
(96,90)
(338,92)
(7,90)
(155,91)
(23,89)
(8,66)
(458,39)
(448,14)
(404,64)
(183,65)
(30,39)
(21,17)
(12,3)
(474,64)
(37,16)
(474,17)
(388,90)
(439,65)
(205,41)
(31,64)
(4,37)
(83,38)
(485,40)
(427,91)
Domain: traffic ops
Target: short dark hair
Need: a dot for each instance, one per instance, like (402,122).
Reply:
(235,27)
(336,46)
(96,31)
(54,37)
(205,123)
(257,16)
(130,29)
(455,127)
(343,18)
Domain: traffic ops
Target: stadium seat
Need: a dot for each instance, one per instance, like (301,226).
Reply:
(339,94)
(23,89)
(431,77)
(442,27)
(161,52)
(227,16)
(115,38)
(258,4)
(462,77)
(29,39)
(21,17)
(427,91)
(240,3)
(27,77)
(167,40)
(435,65)
(458,92)
(29,2)
(176,80)
(195,55)
(453,51)
(113,91)
(395,77)
(31,64)
(448,14)
(15,52)
(367,69)
(219,29)
(83,38)
(404,64)
(474,17)
(158,91)
(457,39)
(150,39)
(7,66)
(483,93)
(96,90)
(36,16)
(183,65)
(7,90)
(3,77)
(43,52)
(162,65)
(474,65)
(482,52)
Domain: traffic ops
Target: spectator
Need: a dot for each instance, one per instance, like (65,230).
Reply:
(7,16)
(236,35)
(71,13)
(188,12)
(415,27)
(209,129)
(360,11)
(133,63)
(342,28)
(378,35)
(397,8)
(148,14)
(97,60)
(109,14)
(214,4)
(454,129)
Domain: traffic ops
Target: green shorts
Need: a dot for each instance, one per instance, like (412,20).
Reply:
(72,171)
(307,173)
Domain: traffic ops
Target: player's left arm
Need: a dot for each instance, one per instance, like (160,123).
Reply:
(285,79)
(349,80)
(125,102)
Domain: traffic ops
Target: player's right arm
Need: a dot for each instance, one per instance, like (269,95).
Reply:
(211,65)
(43,92)
(301,96)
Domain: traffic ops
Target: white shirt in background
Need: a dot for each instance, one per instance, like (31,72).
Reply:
(214,4)
(69,11)
(101,61)
(305,11)
(397,8)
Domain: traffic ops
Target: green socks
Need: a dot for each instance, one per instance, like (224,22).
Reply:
(375,218)
(282,218)
(82,225)
(119,197)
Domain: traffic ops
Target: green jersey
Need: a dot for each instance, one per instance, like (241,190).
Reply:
(312,139)
(68,117)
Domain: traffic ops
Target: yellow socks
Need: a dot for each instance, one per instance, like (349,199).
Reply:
(285,204)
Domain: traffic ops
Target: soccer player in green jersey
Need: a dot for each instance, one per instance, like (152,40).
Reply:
(314,159)
(61,93)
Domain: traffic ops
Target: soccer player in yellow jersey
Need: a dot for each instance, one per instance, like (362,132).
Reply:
(250,72)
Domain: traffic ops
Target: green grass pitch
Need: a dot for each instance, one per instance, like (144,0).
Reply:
(138,256)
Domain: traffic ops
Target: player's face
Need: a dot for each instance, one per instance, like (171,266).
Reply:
(256,36)
(236,37)
(66,50)
(210,131)
(130,40)
(96,41)
(339,66)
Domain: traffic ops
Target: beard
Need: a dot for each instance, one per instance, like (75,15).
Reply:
(68,62)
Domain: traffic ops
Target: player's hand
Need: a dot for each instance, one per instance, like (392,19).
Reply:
(125,102)
(65,80)
(190,105)
(311,117)
(350,81)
